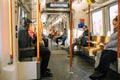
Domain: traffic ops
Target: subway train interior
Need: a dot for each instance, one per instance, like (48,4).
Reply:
(59,40)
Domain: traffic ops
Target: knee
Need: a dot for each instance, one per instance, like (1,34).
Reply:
(48,52)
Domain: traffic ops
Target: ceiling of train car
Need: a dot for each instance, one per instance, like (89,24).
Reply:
(50,13)
(52,17)
(54,13)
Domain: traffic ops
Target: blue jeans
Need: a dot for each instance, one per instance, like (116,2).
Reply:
(63,40)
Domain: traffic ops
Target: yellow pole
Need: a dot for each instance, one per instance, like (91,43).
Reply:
(89,2)
(38,30)
(10,28)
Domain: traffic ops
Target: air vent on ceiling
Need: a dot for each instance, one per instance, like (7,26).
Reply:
(101,1)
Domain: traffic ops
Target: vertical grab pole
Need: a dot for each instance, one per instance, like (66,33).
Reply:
(89,2)
(71,30)
(118,55)
(118,29)
(53,1)
(10,28)
(38,30)
(88,26)
(51,36)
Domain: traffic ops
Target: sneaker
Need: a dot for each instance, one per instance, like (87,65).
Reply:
(48,70)
(96,75)
(46,74)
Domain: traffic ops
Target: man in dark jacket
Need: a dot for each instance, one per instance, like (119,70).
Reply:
(84,37)
(29,39)
(82,40)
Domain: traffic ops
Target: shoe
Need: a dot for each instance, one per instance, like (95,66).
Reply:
(46,74)
(68,56)
(96,75)
(48,70)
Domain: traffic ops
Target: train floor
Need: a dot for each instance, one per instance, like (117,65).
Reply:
(82,66)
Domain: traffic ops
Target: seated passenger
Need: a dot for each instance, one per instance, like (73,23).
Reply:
(44,51)
(108,55)
(63,37)
(82,40)
(52,33)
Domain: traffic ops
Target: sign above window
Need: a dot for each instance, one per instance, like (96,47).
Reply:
(58,5)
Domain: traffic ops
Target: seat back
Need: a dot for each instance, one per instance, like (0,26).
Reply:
(25,45)
(23,39)
(46,42)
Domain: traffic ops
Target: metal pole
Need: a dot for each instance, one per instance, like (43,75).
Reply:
(71,31)
(88,26)
(53,1)
(51,36)
(38,30)
(118,28)
(118,54)
(10,28)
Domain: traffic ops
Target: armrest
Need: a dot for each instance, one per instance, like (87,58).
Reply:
(28,48)
(27,52)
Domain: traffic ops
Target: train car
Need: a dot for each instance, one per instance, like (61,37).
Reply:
(44,39)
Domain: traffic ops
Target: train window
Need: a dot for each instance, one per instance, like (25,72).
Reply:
(97,22)
(78,33)
(24,14)
(113,10)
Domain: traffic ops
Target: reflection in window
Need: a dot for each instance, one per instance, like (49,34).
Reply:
(23,13)
(97,23)
(113,10)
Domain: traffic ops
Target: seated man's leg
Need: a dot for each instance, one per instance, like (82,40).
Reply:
(63,40)
(45,56)
(73,45)
(58,39)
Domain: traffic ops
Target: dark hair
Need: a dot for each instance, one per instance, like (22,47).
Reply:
(85,26)
(116,18)
(65,29)
(26,22)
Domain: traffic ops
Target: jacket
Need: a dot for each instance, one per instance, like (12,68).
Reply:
(112,44)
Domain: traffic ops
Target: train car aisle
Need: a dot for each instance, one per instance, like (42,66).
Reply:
(60,68)
(60,65)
